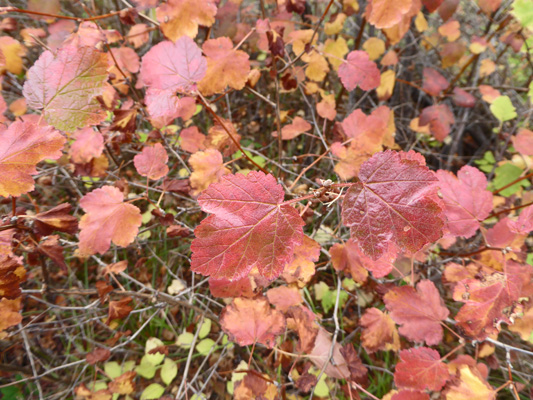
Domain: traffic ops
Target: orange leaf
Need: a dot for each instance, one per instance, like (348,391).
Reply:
(182,17)
(108,219)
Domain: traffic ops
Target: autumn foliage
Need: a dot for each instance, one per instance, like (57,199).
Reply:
(266,199)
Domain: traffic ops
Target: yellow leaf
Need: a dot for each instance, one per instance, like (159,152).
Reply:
(332,28)
(335,50)
(317,66)
(421,23)
(386,87)
(375,48)
(13,52)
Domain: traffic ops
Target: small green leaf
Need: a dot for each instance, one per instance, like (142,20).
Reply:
(146,369)
(205,346)
(506,174)
(321,289)
(529,259)
(503,109)
(169,370)
(112,369)
(205,328)
(523,12)
(156,358)
(152,392)
(185,340)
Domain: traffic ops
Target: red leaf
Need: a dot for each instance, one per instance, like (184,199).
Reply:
(462,98)
(410,395)
(439,118)
(432,5)
(392,203)
(53,79)
(434,82)
(108,219)
(249,228)
(421,369)
(152,162)
(418,311)
(225,288)
(22,146)
(359,70)
(524,224)
(249,321)
(466,199)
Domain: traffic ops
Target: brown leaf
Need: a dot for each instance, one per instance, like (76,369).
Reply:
(56,219)
(98,355)
(119,309)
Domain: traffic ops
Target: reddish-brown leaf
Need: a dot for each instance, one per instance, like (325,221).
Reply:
(358,69)
(55,219)
(10,313)
(22,146)
(52,249)
(439,118)
(119,309)
(249,228)
(302,320)
(337,366)
(53,79)
(108,219)
(421,369)
(152,162)
(12,274)
(98,355)
(411,395)
(418,311)
(462,98)
(250,321)
(434,82)
(392,203)
(358,371)
(466,199)
(226,288)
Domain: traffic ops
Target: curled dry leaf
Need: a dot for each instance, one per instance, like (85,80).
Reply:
(108,219)
(250,321)
(12,274)
(22,146)
(393,203)
(152,162)
(119,309)
(250,227)
(55,219)
(419,311)
(379,331)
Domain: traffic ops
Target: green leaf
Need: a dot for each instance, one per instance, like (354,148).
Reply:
(504,175)
(205,328)
(156,358)
(205,346)
(152,392)
(185,340)
(112,369)
(523,12)
(529,259)
(146,369)
(503,109)
(168,371)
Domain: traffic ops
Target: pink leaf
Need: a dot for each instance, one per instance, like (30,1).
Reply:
(439,118)
(152,162)
(358,69)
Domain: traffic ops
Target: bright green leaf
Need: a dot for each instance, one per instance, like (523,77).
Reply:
(503,109)
(506,174)
(169,370)
(152,392)
(523,12)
